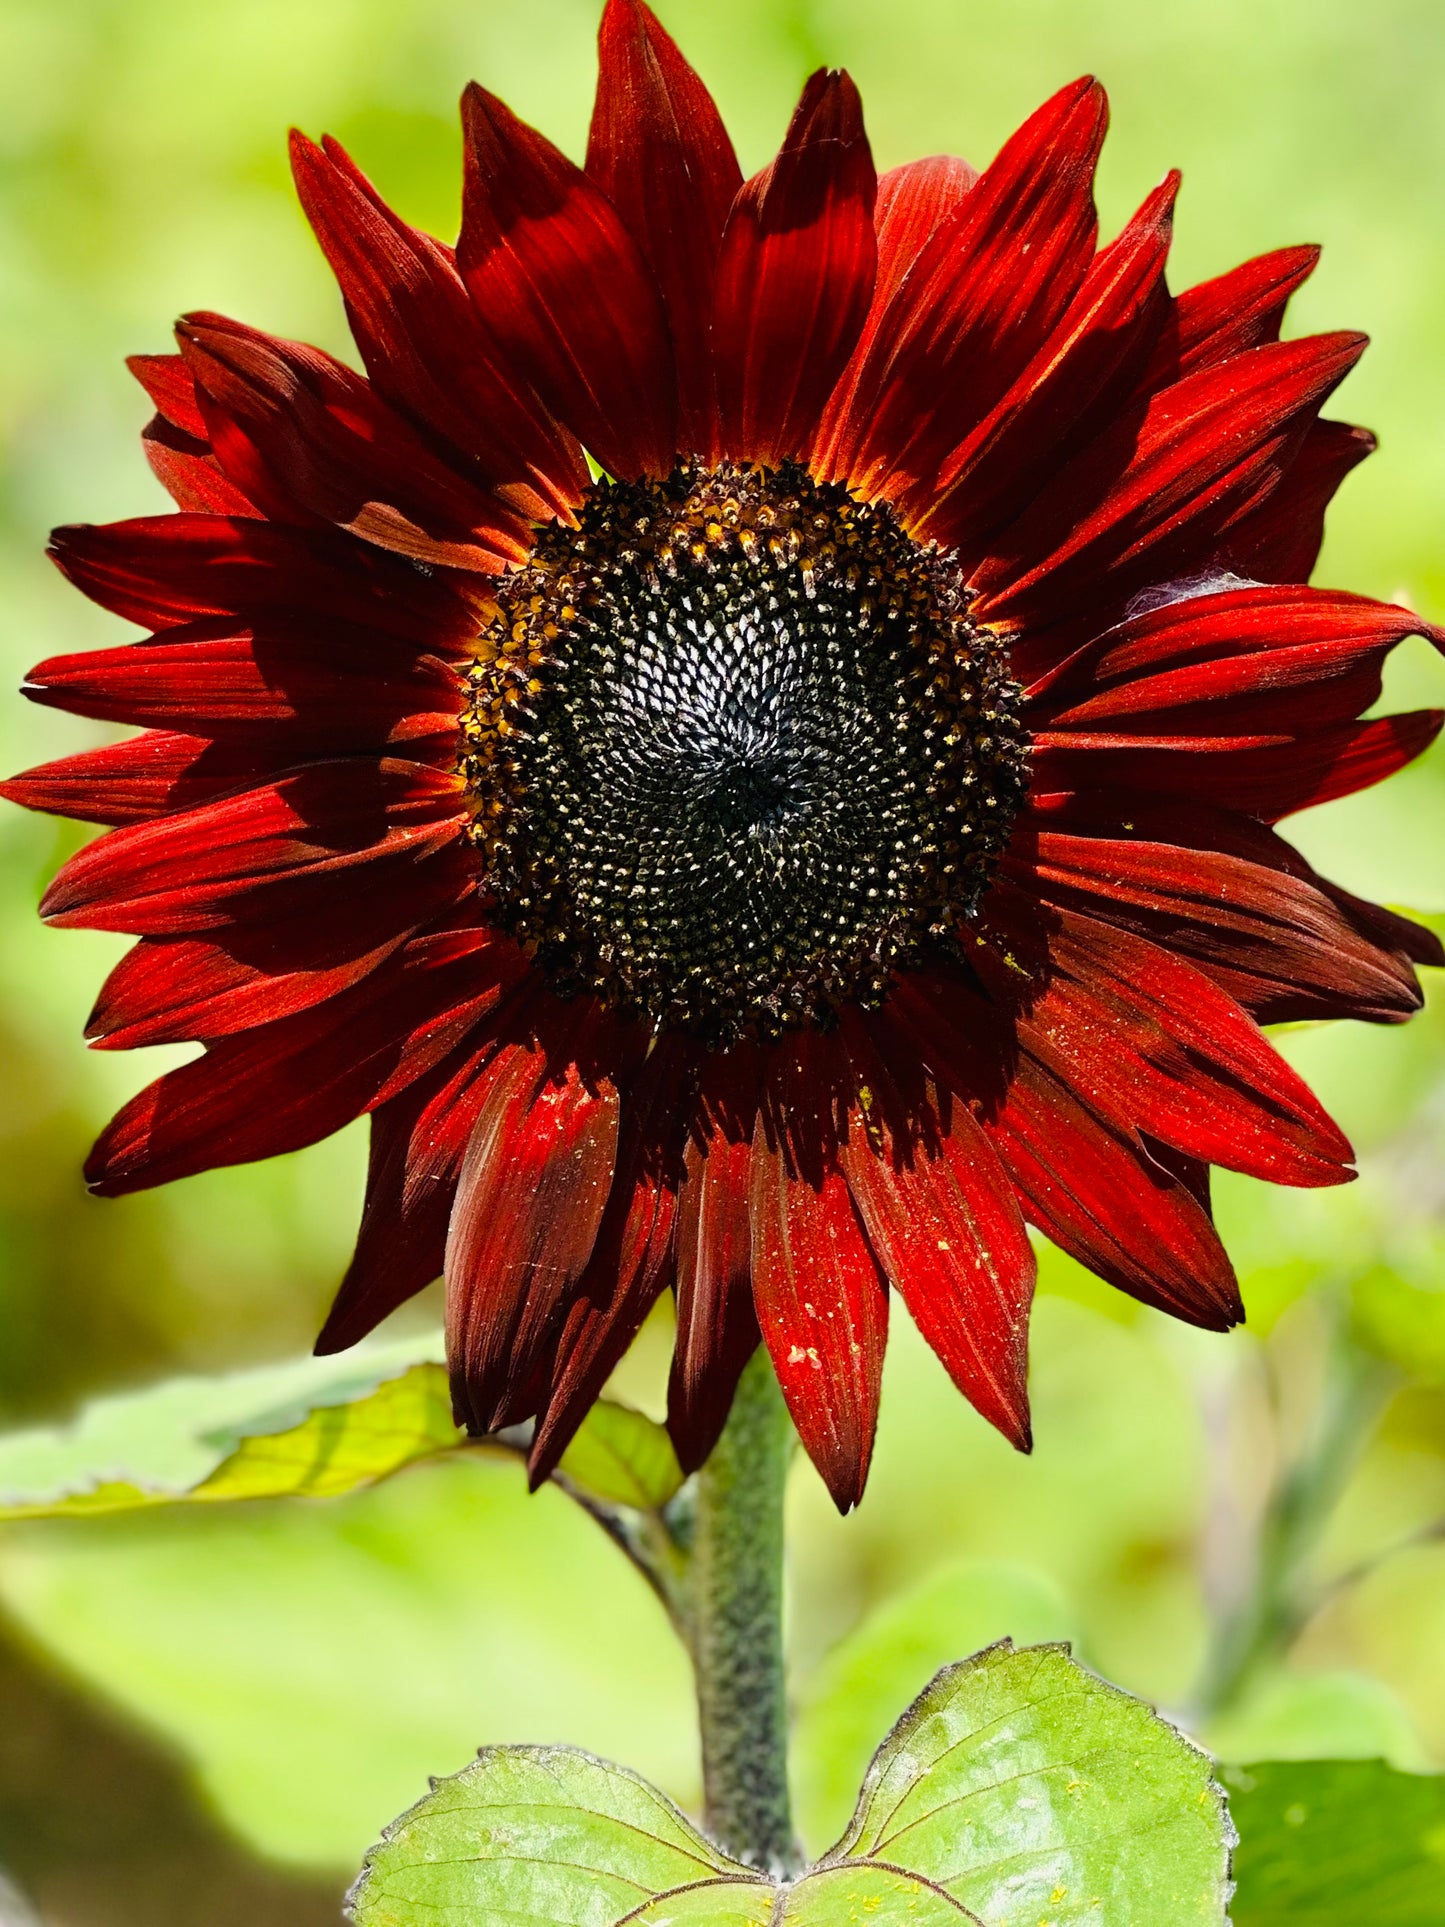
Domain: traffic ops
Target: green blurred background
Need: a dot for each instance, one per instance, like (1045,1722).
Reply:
(207,1720)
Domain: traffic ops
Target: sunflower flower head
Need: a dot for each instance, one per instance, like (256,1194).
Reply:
(749,741)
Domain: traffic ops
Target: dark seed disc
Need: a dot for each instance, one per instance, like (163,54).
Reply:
(736,751)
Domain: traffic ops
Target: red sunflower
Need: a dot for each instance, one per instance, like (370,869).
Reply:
(781,857)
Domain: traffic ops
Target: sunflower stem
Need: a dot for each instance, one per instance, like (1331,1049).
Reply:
(736,1621)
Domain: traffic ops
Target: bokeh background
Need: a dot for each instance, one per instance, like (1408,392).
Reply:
(206,1720)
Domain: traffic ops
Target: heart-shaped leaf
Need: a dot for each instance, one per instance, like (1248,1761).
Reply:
(546,1833)
(1018,1789)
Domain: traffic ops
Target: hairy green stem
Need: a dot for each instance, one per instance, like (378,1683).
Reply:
(736,1626)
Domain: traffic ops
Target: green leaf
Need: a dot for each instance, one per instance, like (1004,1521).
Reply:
(621,1456)
(1017,1790)
(1029,1790)
(316,1427)
(540,1833)
(1335,1843)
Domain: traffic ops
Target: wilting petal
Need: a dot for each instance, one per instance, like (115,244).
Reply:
(561,285)
(417,1144)
(795,277)
(660,153)
(632,1261)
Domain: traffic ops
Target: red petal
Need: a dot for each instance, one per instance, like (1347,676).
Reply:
(914,201)
(162,570)
(171,386)
(1063,393)
(534,1182)
(215,677)
(143,777)
(189,473)
(287,1084)
(659,151)
(821,1302)
(178,992)
(425,346)
(717,1328)
(795,277)
(1106,1202)
(1280,541)
(305,437)
(562,286)
(1223,317)
(978,302)
(1390,931)
(182,873)
(1273,940)
(1091,1188)
(942,1217)
(1250,661)
(1191,646)
(1148,1042)
(1164,483)
(417,1144)
(1269,783)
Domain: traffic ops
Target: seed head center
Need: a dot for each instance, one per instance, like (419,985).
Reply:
(735,751)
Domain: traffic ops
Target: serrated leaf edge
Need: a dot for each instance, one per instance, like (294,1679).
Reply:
(839,1854)
(729,1872)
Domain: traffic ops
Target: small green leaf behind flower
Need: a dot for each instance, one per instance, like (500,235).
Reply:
(1017,1789)
(312,1428)
(622,1458)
